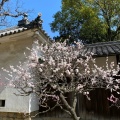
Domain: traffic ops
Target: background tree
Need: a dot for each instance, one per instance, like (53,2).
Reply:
(54,70)
(109,13)
(10,9)
(89,20)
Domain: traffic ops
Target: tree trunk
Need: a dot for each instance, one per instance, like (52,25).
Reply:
(109,34)
(69,108)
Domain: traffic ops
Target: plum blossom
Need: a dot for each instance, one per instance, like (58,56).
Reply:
(51,61)
(113,99)
(40,70)
(67,72)
(80,86)
(54,86)
(77,70)
(56,69)
(32,65)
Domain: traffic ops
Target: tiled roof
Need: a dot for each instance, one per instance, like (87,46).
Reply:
(37,23)
(98,49)
(103,48)
(18,29)
(12,30)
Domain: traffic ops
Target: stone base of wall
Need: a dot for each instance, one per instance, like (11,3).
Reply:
(22,116)
(13,116)
(51,118)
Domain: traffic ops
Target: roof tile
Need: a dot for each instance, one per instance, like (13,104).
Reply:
(103,48)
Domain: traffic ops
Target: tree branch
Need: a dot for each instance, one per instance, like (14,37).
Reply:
(70,109)
(74,101)
(2,3)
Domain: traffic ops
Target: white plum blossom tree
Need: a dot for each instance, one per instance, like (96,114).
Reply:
(56,69)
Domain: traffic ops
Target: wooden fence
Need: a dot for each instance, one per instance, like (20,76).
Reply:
(98,108)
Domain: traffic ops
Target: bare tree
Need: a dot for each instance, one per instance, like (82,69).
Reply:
(54,70)
(10,9)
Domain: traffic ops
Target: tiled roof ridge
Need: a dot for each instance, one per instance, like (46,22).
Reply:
(25,25)
(7,29)
(103,43)
(103,48)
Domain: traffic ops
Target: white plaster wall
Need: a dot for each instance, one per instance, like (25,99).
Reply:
(10,54)
(14,103)
(33,103)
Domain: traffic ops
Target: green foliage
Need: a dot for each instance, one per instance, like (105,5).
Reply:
(88,20)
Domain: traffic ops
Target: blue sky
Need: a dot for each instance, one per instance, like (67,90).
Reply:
(47,7)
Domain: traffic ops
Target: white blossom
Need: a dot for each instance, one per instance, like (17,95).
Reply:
(61,69)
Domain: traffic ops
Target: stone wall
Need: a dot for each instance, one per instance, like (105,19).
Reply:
(51,118)
(13,116)
(21,116)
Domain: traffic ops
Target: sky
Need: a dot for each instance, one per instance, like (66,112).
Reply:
(47,8)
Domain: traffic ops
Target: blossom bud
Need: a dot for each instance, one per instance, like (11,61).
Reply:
(76,70)
(68,72)
(40,70)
